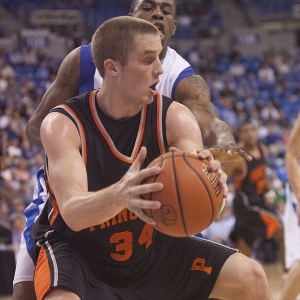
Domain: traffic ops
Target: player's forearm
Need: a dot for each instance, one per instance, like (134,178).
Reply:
(85,210)
(219,134)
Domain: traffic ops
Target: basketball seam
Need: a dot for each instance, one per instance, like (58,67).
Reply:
(155,178)
(178,195)
(195,171)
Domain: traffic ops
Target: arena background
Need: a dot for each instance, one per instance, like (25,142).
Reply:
(227,42)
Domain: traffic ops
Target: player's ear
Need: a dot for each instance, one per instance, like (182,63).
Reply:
(111,67)
(174,27)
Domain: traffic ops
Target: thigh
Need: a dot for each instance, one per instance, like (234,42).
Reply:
(60,271)
(24,291)
(185,268)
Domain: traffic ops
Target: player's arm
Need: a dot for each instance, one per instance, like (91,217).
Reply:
(183,133)
(193,92)
(292,156)
(63,88)
(68,178)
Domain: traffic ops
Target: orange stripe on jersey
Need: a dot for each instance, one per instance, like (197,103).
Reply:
(80,129)
(110,143)
(159,125)
(272,224)
(42,276)
(56,212)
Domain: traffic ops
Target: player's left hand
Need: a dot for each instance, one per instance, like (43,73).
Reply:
(215,166)
(229,153)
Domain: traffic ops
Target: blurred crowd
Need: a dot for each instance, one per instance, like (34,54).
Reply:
(24,77)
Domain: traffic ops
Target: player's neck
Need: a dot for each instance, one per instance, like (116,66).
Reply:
(111,104)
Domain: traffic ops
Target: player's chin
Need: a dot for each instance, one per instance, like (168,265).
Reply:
(149,99)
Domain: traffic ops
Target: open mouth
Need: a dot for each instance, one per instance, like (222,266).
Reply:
(153,87)
(161,29)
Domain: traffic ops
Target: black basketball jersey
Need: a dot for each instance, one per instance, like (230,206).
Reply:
(108,148)
(255,183)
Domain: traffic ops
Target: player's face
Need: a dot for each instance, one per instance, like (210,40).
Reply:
(140,75)
(248,134)
(161,13)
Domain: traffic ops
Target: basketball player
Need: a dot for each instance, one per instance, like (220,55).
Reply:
(254,213)
(96,156)
(77,75)
(291,286)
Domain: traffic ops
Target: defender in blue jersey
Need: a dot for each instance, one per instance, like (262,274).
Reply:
(94,225)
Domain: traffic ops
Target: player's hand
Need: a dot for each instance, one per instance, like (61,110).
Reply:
(229,153)
(215,166)
(130,188)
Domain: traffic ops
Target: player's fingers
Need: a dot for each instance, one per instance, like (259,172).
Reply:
(173,149)
(240,152)
(205,154)
(148,172)
(147,188)
(215,165)
(136,166)
(145,217)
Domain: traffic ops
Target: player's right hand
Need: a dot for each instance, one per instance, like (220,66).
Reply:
(131,187)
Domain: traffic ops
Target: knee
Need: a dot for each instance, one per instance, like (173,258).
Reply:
(254,273)
(248,278)
(253,279)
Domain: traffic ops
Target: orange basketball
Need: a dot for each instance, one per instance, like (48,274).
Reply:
(192,197)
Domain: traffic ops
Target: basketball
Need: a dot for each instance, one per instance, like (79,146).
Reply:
(192,197)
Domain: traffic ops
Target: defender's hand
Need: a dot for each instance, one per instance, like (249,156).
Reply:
(229,153)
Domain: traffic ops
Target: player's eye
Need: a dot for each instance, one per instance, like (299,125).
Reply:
(147,8)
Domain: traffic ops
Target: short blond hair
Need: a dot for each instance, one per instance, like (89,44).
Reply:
(115,38)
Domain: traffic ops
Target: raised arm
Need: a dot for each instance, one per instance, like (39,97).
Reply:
(193,92)
(292,156)
(63,88)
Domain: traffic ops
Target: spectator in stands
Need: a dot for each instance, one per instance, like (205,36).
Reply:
(237,69)
(219,231)
(17,227)
(7,70)
(15,57)
(42,71)
(4,211)
(270,112)
(30,57)
(3,83)
(266,75)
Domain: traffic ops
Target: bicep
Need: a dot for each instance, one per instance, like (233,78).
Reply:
(61,141)
(183,131)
